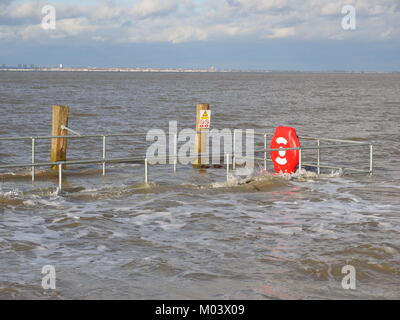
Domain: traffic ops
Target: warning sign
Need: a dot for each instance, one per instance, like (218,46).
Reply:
(205,119)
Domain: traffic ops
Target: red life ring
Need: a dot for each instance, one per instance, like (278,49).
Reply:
(285,161)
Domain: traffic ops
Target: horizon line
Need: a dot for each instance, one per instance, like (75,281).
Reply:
(178,70)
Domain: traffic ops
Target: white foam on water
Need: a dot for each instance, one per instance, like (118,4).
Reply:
(148,216)
(320,227)
(102,247)
(283,230)
(58,219)
(12,194)
(123,209)
(235,180)
(385,225)
(390,250)
(118,234)
(52,201)
(29,203)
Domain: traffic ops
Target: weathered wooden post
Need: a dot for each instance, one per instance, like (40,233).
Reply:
(202,126)
(59,146)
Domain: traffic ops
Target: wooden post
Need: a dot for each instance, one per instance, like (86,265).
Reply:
(59,146)
(200,145)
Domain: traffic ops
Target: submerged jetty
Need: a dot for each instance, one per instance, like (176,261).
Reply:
(285,151)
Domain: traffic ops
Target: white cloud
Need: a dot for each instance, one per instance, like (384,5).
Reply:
(193,20)
(24,10)
(282,33)
(332,8)
(151,8)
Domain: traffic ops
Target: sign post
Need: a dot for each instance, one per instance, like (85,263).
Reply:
(203,122)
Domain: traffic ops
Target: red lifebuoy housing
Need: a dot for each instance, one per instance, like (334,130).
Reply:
(285,161)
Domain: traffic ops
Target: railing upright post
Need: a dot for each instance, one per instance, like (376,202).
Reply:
(371,163)
(227,167)
(265,151)
(60,177)
(318,157)
(145,171)
(300,160)
(234,151)
(33,159)
(175,151)
(104,155)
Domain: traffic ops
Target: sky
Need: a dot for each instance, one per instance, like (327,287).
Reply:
(304,35)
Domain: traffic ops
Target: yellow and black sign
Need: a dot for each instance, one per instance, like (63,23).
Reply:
(205,119)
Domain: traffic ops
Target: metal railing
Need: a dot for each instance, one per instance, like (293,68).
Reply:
(227,156)
(35,138)
(318,147)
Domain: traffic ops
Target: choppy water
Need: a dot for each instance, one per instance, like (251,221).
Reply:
(189,235)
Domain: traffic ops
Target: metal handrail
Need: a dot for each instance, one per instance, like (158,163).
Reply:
(69,162)
(71,137)
(265,150)
(318,148)
(333,140)
(141,134)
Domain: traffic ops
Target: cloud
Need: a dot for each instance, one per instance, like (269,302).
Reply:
(25,10)
(178,21)
(282,33)
(153,8)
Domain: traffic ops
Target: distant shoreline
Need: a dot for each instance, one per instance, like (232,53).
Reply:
(111,70)
(178,70)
